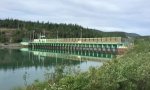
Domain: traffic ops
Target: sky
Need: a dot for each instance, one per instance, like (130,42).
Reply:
(131,16)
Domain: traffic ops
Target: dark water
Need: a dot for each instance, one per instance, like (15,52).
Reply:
(23,67)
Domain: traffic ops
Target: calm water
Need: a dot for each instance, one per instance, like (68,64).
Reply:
(23,67)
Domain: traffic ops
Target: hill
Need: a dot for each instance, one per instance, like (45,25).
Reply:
(13,30)
(133,35)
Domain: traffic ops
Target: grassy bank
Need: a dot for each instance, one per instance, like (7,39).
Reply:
(130,72)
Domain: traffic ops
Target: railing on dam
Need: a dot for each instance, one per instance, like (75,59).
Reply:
(82,40)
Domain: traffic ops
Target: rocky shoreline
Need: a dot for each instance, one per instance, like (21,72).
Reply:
(11,45)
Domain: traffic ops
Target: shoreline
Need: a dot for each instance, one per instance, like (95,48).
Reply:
(11,46)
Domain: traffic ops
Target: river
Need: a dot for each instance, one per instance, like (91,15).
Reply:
(21,67)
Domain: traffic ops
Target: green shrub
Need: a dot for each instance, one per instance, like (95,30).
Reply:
(130,72)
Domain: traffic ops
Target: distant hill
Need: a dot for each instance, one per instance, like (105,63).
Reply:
(132,35)
(13,30)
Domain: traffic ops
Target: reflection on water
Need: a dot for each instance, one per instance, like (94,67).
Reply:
(22,67)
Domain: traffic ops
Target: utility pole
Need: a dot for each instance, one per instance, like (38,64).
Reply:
(81,35)
(33,34)
(40,35)
(30,33)
(24,26)
(57,35)
(18,25)
(44,32)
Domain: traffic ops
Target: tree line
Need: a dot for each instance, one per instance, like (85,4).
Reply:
(14,30)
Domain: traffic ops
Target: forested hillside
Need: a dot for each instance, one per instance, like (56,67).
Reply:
(13,30)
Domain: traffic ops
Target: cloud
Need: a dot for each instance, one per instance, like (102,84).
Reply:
(106,15)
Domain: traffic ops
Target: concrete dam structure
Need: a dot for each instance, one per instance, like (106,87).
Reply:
(116,45)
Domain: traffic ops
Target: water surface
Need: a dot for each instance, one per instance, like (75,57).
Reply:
(19,68)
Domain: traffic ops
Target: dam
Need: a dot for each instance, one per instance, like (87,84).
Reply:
(115,45)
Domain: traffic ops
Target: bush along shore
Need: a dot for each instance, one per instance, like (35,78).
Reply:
(129,72)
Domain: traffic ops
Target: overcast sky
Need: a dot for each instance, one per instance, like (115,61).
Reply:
(107,15)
